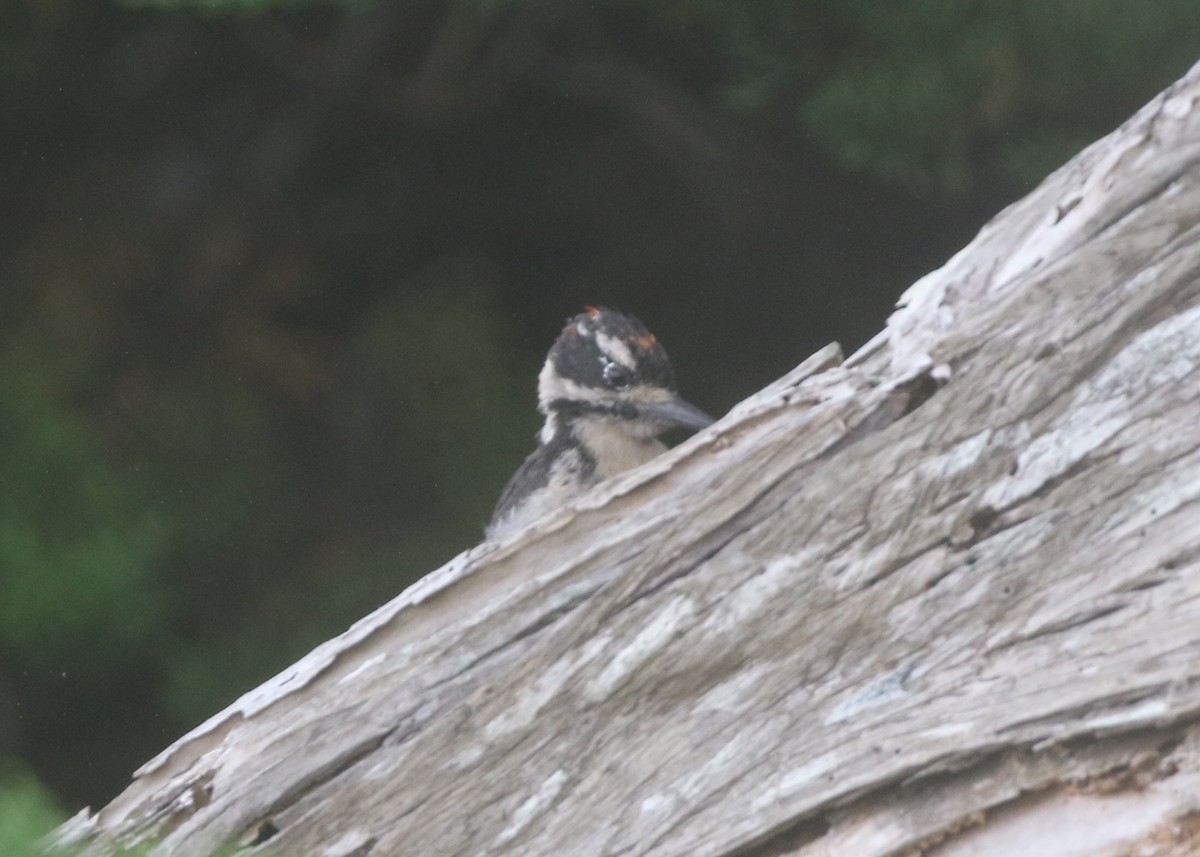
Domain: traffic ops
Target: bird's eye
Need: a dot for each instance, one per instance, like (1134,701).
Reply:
(617,376)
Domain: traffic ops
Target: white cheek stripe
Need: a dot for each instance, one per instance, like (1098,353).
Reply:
(549,429)
(553,386)
(616,349)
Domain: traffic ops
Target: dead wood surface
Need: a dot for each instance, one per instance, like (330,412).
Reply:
(943,599)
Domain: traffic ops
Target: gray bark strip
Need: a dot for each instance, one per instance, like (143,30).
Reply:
(934,600)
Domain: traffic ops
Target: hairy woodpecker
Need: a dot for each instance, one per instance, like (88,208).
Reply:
(607,391)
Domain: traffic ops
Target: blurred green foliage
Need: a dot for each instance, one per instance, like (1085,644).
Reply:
(939,95)
(80,539)
(931,95)
(27,813)
(232,7)
(444,372)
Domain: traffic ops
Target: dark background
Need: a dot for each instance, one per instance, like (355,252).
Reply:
(276,280)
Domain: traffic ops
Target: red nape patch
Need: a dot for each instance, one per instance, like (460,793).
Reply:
(592,311)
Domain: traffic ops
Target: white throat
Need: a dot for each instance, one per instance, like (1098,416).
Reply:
(617,445)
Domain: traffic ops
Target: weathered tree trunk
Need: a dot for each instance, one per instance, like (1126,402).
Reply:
(943,599)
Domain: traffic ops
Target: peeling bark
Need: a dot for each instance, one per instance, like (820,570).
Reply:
(941,599)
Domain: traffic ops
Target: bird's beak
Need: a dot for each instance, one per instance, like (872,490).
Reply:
(676,411)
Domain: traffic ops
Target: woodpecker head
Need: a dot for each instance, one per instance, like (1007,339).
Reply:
(607,367)
(607,391)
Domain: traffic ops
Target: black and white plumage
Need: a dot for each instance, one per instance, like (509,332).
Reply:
(607,391)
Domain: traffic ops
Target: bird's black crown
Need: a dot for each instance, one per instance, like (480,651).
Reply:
(606,349)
